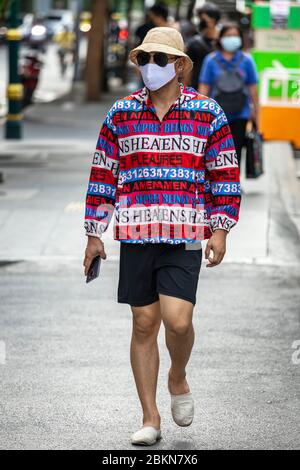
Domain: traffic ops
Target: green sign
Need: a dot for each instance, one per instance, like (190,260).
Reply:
(282,64)
(262,18)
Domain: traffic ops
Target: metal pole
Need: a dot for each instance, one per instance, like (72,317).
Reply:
(15,88)
(79,9)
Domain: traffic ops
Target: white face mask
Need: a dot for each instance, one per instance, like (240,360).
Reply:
(155,76)
(231,43)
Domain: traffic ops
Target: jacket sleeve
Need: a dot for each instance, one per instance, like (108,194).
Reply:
(223,191)
(101,193)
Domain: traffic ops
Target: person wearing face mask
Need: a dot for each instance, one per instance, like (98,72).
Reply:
(165,162)
(159,14)
(201,44)
(229,76)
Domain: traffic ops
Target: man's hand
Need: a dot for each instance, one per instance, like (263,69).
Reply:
(94,248)
(216,243)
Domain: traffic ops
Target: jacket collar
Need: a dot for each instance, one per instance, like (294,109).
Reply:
(186,94)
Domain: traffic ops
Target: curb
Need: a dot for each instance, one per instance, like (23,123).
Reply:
(284,180)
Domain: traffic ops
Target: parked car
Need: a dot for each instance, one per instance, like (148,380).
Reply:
(33,31)
(56,20)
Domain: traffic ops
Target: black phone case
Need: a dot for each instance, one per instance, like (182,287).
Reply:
(94,270)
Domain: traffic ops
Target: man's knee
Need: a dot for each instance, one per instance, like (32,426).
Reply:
(145,325)
(179,327)
(177,315)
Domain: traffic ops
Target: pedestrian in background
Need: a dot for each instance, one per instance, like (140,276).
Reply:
(65,40)
(229,76)
(156,16)
(159,16)
(142,30)
(204,42)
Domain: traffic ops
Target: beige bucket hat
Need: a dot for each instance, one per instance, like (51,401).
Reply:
(163,39)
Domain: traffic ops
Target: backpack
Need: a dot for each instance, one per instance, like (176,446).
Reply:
(230,91)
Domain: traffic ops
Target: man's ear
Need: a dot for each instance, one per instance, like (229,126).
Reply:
(180,66)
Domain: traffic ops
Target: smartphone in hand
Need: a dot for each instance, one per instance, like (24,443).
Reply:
(94,269)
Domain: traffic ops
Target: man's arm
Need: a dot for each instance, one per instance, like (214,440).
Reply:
(204,89)
(223,176)
(255,101)
(205,77)
(101,193)
(252,81)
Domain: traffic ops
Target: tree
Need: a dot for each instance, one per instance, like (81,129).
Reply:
(190,9)
(94,61)
(4,4)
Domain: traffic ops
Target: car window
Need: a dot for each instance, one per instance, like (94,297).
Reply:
(53,18)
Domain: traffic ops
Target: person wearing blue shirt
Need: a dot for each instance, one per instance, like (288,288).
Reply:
(230,63)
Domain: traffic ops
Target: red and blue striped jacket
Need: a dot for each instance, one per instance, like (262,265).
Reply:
(169,181)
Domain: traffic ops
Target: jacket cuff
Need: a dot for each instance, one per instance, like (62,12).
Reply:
(94,228)
(221,221)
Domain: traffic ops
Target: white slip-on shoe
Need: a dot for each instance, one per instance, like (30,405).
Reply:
(182,408)
(147,436)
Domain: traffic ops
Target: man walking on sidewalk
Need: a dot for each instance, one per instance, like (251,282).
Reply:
(166,163)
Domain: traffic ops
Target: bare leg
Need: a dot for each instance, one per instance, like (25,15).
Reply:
(144,356)
(177,316)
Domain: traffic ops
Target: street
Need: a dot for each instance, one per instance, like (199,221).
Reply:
(67,383)
(65,373)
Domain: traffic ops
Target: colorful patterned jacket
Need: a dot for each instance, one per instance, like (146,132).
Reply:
(173,181)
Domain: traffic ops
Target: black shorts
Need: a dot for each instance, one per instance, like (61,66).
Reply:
(149,269)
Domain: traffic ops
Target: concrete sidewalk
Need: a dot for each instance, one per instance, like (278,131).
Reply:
(268,230)
(51,85)
(66,119)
